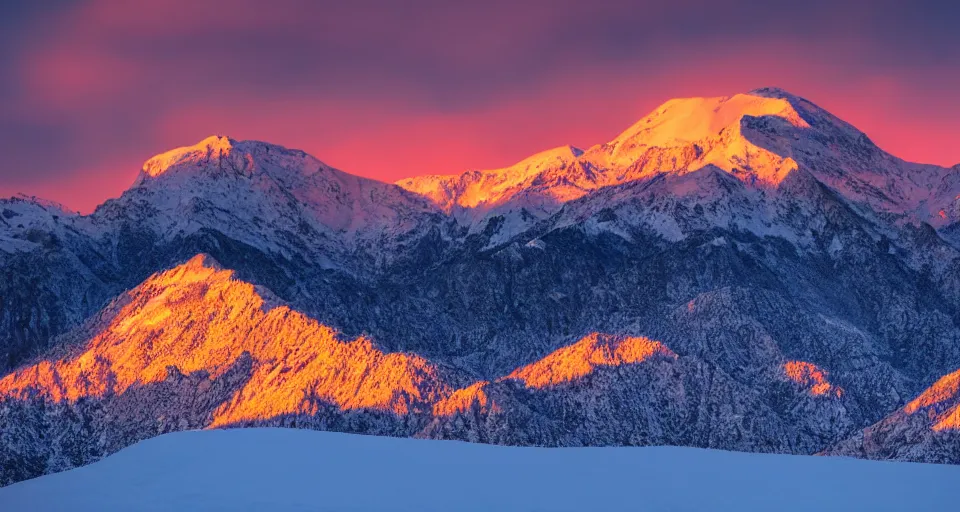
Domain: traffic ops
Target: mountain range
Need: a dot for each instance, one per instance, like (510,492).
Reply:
(746,273)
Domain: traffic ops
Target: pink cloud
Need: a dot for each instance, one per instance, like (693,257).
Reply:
(388,94)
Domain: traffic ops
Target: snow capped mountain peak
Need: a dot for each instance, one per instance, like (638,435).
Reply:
(266,195)
(53,207)
(681,121)
(760,138)
(219,155)
(562,154)
(680,136)
(744,135)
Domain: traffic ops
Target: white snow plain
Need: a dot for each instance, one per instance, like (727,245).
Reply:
(284,469)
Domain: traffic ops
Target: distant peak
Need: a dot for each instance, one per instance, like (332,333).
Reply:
(46,204)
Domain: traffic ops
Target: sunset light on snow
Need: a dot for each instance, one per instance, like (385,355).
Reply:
(505,255)
(390,91)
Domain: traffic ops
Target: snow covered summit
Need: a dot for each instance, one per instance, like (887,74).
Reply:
(263,193)
(778,144)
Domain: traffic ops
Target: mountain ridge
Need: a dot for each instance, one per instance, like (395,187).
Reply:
(193,347)
(683,135)
(760,138)
(677,299)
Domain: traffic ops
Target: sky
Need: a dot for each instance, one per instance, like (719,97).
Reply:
(389,89)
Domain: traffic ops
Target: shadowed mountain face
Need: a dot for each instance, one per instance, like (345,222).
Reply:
(747,273)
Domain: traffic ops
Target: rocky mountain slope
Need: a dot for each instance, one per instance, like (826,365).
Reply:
(193,347)
(927,429)
(747,273)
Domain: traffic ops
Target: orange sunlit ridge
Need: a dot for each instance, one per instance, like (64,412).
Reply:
(198,317)
(940,402)
(577,360)
(811,377)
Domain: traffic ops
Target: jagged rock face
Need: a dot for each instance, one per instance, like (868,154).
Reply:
(770,281)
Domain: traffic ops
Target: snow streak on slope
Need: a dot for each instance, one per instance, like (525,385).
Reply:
(277,469)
